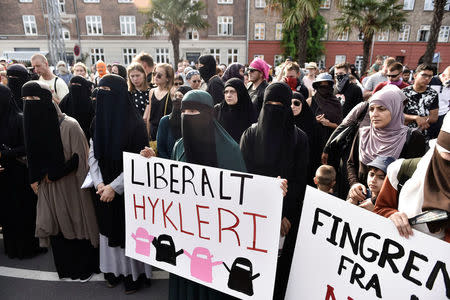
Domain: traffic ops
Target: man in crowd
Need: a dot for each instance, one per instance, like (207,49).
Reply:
(377,78)
(394,75)
(406,74)
(441,84)
(146,60)
(311,72)
(57,85)
(378,63)
(292,78)
(349,93)
(257,75)
(422,105)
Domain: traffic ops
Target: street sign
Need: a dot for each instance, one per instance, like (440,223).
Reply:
(76,50)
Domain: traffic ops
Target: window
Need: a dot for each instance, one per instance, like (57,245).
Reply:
(162,55)
(358,63)
(361,36)
(193,2)
(216,54)
(29,25)
(277,59)
(26,1)
(125,1)
(224,1)
(343,36)
(260,3)
(127,25)
(408,5)
(62,6)
(340,59)
(260,31)
(403,35)
(443,34)
(383,36)
(424,33)
(321,62)
(428,5)
(325,34)
(97,54)
(91,1)
(261,56)
(66,34)
(192,34)
(225,25)
(233,55)
(128,55)
(94,25)
(325,4)
(278,31)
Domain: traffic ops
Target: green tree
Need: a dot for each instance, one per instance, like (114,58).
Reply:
(369,17)
(438,13)
(296,15)
(174,17)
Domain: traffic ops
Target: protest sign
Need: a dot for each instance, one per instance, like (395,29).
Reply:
(217,227)
(346,252)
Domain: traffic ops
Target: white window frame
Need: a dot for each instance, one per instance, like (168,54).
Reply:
(408,4)
(325,4)
(358,63)
(125,1)
(225,25)
(258,56)
(91,1)
(325,36)
(428,5)
(224,1)
(232,55)
(260,3)
(443,34)
(25,1)
(260,31)
(277,59)
(216,53)
(423,28)
(94,22)
(403,34)
(340,59)
(97,54)
(383,36)
(278,31)
(64,32)
(192,34)
(29,23)
(321,62)
(162,55)
(128,55)
(343,36)
(62,6)
(127,25)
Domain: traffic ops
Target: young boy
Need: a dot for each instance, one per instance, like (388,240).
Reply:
(325,178)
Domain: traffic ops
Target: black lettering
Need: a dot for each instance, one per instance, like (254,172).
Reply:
(187,168)
(148,174)
(439,266)
(341,264)
(374,254)
(375,284)
(357,273)
(222,197)
(156,176)
(133,181)
(332,238)
(389,257)
(241,192)
(346,232)
(316,219)
(410,266)
(205,181)
(414,297)
(173,180)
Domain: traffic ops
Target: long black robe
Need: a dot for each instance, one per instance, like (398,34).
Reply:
(17,199)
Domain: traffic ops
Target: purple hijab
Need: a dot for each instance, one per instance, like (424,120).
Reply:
(387,141)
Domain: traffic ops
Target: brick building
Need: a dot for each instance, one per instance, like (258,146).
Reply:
(112,30)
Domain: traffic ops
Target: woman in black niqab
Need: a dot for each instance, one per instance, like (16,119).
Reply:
(78,104)
(17,200)
(236,118)
(17,75)
(233,71)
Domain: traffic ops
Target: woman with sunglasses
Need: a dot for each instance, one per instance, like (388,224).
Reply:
(194,80)
(160,103)
(138,87)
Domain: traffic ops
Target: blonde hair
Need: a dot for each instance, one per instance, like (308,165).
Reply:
(135,67)
(170,74)
(80,64)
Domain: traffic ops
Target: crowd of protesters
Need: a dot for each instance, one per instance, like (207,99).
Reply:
(380,141)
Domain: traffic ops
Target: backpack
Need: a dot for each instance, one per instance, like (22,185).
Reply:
(406,171)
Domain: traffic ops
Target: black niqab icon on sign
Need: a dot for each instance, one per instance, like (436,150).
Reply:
(165,249)
(241,277)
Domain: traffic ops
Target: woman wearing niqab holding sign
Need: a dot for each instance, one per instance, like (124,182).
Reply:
(117,127)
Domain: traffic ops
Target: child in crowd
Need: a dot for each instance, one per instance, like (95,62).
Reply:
(325,178)
(375,179)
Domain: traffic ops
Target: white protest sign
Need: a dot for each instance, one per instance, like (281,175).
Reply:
(217,227)
(346,252)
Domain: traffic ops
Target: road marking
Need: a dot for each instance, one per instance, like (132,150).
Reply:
(53,276)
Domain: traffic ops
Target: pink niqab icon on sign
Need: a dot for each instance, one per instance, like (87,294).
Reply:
(202,264)
(143,241)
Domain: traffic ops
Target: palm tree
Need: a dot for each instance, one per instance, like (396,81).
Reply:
(369,17)
(174,17)
(297,14)
(438,13)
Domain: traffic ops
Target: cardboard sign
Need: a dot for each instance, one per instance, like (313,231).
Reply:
(217,227)
(346,252)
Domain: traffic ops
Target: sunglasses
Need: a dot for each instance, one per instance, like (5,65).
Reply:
(252,70)
(393,75)
(177,83)
(158,75)
(296,102)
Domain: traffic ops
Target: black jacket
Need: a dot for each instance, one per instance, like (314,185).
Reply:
(257,95)
(215,88)
(353,96)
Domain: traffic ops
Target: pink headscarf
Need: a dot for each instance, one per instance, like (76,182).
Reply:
(261,66)
(387,141)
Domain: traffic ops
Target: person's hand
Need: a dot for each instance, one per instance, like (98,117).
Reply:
(422,123)
(400,220)
(107,193)
(35,187)
(100,187)
(46,179)
(285,226)
(357,192)
(324,158)
(147,152)
(284,185)
(367,204)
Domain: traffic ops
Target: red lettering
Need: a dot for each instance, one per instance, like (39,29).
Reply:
(153,208)
(139,206)
(200,221)
(330,294)
(165,211)
(254,231)
(181,221)
(231,228)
